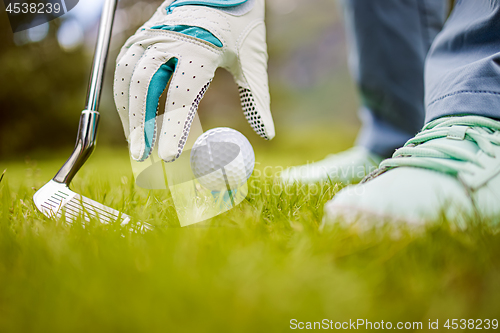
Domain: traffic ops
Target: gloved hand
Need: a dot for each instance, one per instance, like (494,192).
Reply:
(187,42)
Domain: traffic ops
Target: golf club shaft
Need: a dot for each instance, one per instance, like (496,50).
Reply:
(100,55)
(89,119)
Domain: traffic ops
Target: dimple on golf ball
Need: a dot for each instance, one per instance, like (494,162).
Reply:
(222,158)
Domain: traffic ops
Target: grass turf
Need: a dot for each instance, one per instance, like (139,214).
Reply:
(251,269)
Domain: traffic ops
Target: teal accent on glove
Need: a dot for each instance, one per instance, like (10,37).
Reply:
(156,87)
(208,3)
(192,31)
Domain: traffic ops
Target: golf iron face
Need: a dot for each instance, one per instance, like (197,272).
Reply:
(55,200)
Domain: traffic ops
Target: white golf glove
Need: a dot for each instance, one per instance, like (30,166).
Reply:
(186,42)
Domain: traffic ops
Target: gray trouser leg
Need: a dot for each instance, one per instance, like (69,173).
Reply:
(462,72)
(388,43)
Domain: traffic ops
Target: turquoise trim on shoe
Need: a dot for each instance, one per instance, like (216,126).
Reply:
(156,87)
(208,3)
(196,32)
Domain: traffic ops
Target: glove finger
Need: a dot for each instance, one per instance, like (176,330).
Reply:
(189,83)
(253,82)
(126,62)
(149,79)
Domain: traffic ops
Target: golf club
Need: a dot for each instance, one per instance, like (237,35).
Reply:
(55,198)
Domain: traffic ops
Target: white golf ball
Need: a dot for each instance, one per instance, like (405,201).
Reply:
(222,157)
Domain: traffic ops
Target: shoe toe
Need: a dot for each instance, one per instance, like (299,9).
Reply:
(409,195)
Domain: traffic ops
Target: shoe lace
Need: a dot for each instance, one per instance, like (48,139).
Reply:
(450,159)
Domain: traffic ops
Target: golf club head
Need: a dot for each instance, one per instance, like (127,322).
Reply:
(54,199)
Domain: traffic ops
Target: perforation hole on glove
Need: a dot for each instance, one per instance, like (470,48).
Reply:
(249,110)
(190,118)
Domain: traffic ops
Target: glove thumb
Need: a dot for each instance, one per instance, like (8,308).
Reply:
(251,76)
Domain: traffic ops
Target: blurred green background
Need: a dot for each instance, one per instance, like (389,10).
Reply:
(44,74)
(256,266)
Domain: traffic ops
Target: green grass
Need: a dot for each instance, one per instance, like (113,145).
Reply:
(252,269)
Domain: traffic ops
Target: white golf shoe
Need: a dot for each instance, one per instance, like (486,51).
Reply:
(450,169)
(348,167)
